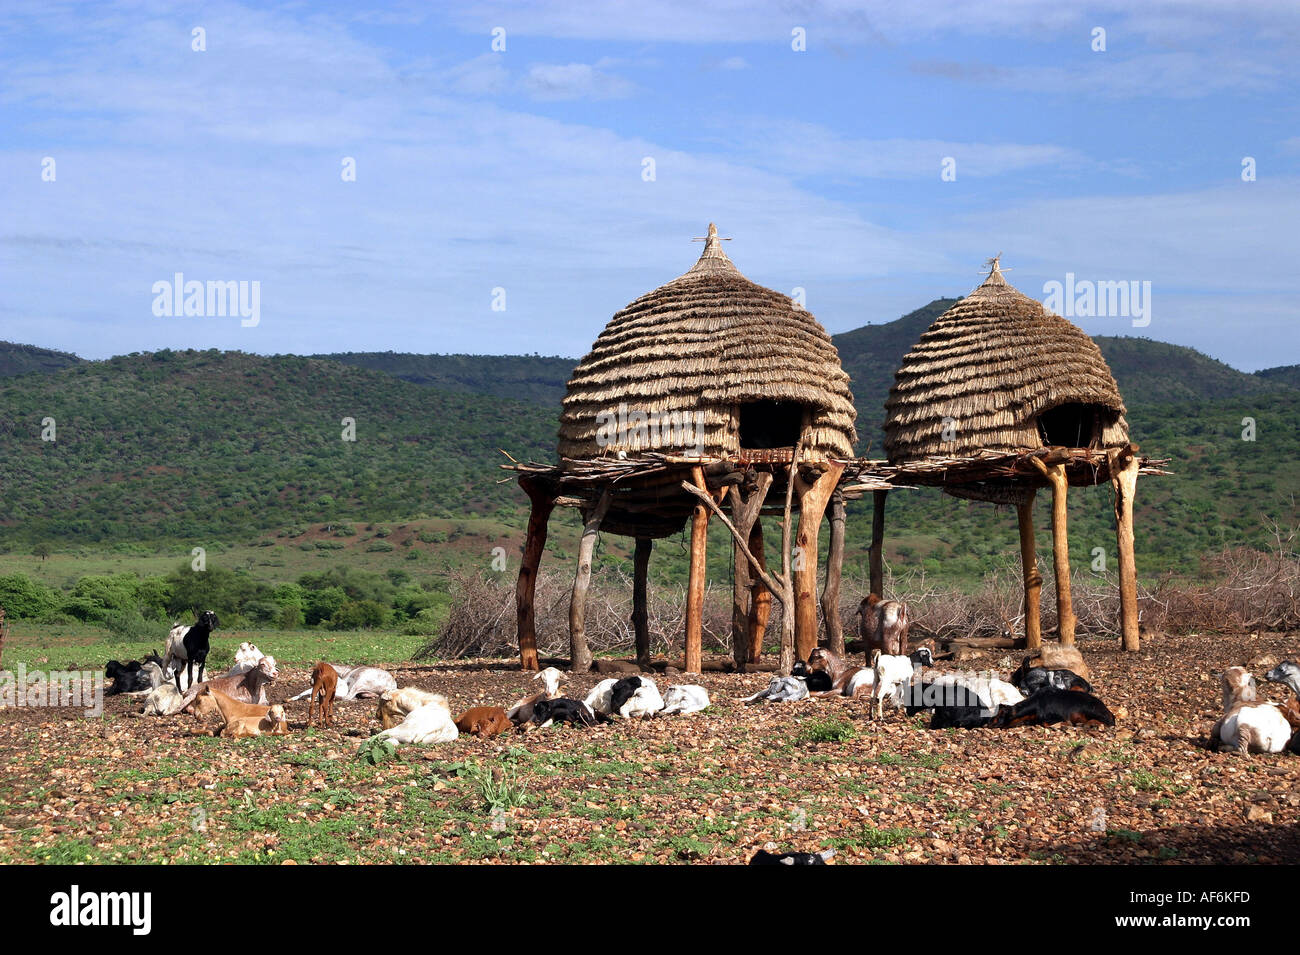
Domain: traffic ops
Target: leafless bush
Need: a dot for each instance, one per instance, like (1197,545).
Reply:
(1238,588)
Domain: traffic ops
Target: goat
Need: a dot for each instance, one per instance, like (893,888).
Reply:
(163,700)
(272,724)
(483,721)
(845,679)
(763,857)
(780,689)
(324,684)
(955,705)
(246,657)
(635,697)
(232,709)
(997,692)
(430,723)
(396,705)
(883,625)
(891,674)
(357,683)
(562,710)
(132,677)
(1053,656)
(522,710)
(189,645)
(247,687)
(1248,726)
(819,681)
(1288,674)
(1050,705)
(599,697)
(680,700)
(1035,678)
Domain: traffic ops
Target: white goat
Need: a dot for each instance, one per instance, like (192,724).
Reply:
(644,701)
(1248,726)
(246,657)
(891,673)
(522,710)
(163,700)
(781,689)
(396,705)
(424,725)
(357,683)
(682,699)
(598,700)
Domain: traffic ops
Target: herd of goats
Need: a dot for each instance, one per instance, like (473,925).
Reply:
(1050,687)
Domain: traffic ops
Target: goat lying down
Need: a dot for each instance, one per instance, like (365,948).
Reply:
(562,710)
(521,712)
(781,689)
(136,676)
(357,683)
(396,705)
(1050,705)
(763,857)
(423,726)
(633,697)
(682,699)
(1248,726)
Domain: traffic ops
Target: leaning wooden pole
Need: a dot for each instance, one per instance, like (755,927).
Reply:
(1124,467)
(1055,473)
(877,553)
(1029,573)
(525,589)
(813,499)
(579,654)
(640,598)
(834,571)
(695,581)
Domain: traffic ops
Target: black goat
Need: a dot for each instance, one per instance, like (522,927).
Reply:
(190,646)
(622,691)
(819,681)
(563,710)
(954,705)
(1032,680)
(1050,705)
(130,677)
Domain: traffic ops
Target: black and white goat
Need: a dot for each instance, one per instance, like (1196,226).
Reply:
(133,677)
(189,645)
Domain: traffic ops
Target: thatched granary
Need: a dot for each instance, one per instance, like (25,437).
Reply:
(758,369)
(996,375)
(709,389)
(998,371)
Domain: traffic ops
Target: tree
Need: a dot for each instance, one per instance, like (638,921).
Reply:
(42,550)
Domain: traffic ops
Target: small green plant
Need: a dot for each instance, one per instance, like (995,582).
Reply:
(825,731)
(497,785)
(376,750)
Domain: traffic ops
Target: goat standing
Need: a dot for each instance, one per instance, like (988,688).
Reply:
(189,645)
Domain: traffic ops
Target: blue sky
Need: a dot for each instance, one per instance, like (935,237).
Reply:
(522,169)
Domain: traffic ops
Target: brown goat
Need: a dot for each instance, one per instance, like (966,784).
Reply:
(484,721)
(231,709)
(271,724)
(840,672)
(883,625)
(247,687)
(324,681)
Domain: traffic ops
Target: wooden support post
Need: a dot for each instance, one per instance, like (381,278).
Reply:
(834,570)
(760,605)
(695,582)
(640,612)
(1124,467)
(813,499)
(878,542)
(579,654)
(1055,473)
(745,509)
(534,545)
(1029,573)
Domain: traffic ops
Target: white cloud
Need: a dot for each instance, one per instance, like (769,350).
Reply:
(553,81)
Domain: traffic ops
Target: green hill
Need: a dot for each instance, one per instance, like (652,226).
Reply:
(521,377)
(1288,375)
(25,359)
(185,445)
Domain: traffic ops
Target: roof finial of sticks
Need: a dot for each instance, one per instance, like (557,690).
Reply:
(712,239)
(994,265)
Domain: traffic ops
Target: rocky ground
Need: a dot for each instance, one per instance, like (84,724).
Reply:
(711,787)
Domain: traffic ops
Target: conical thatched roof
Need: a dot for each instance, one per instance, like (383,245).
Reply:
(707,342)
(993,364)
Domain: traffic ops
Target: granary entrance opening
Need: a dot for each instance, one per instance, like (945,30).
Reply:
(1072,425)
(770,424)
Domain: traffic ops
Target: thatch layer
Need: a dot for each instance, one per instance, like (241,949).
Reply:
(704,344)
(985,371)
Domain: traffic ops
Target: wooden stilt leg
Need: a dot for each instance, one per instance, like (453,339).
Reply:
(640,586)
(579,654)
(534,546)
(1123,476)
(695,583)
(1029,573)
(760,606)
(834,570)
(813,499)
(745,507)
(1055,473)
(878,542)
